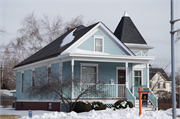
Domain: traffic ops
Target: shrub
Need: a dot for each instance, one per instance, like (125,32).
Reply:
(98,106)
(118,104)
(82,107)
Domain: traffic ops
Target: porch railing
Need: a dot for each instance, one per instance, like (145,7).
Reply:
(112,90)
(130,96)
(153,99)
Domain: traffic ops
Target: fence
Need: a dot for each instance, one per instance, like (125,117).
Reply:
(7,100)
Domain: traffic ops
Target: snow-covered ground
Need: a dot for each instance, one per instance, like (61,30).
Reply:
(129,113)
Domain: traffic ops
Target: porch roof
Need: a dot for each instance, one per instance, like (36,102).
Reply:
(106,58)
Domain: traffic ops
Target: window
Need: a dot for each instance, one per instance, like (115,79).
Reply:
(98,44)
(22,83)
(164,85)
(137,78)
(150,84)
(49,74)
(89,73)
(33,78)
(158,85)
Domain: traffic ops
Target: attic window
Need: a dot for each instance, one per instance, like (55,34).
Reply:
(98,44)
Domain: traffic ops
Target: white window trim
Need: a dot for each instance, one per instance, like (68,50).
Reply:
(101,37)
(89,64)
(142,83)
(119,68)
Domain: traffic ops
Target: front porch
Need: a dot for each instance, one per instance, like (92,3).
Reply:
(117,73)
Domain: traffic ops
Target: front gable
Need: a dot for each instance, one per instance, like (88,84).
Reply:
(110,44)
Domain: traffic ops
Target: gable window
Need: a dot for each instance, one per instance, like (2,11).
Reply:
(22,83)
(89,73)
(137,78)
(99,44)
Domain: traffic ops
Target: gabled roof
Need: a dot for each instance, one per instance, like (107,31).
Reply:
(127,32)
(53,49)
(153,71)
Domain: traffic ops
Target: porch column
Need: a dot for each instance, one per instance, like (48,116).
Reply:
(147,69)
(72,90)
(60,70)
(127,78)
(133,79)
(60,77)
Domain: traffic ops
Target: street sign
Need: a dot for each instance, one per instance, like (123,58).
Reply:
(140,108)
(145,89)
(144,100)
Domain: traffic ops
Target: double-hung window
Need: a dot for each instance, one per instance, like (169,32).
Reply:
(99,44)
(137,78)
(89,73)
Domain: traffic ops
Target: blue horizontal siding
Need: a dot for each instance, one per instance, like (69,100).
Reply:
(109,47)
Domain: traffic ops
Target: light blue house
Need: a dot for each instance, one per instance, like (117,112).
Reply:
(120,58)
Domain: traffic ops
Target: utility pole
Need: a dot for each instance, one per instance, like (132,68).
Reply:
(0,76)
(172,62)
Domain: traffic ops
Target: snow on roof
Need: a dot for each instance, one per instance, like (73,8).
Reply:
(69,38)
(80,51)
(5,91)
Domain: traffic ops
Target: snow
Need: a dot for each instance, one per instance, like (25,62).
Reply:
(125,14)
(80,51)
(128,113)
(68,38)
(7,92)
(123,103)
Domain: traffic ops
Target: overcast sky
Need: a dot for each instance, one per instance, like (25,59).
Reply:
(151,17)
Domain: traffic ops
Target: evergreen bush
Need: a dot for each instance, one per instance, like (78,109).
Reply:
(118,104)
(82,107)
(98,106)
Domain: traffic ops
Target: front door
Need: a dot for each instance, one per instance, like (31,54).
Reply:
(122,82)
(121,76)
(137,82)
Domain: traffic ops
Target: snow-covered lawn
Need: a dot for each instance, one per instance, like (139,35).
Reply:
(129,113)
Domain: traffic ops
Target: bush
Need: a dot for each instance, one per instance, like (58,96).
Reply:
(98,106)
(82,107)
(118,104)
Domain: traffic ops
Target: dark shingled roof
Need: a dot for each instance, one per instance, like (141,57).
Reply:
(127,32)
(153,71)
(53,49)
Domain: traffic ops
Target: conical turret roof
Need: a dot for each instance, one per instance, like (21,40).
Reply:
(127,32)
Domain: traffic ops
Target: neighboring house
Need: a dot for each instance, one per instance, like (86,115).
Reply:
(159,82)
(120,57)
(6,92)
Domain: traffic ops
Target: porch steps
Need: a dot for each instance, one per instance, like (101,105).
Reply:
(150,107)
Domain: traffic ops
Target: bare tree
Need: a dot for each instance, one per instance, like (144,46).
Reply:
(35,34)
(61,89)
(2,31)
